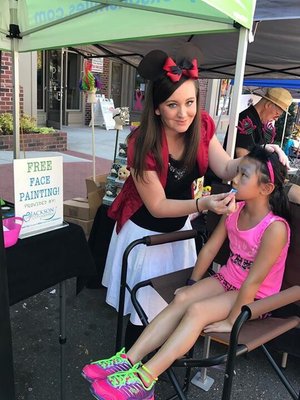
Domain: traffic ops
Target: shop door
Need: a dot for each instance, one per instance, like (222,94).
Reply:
(56,109)
(116,83)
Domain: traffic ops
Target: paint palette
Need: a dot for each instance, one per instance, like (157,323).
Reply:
(7,209)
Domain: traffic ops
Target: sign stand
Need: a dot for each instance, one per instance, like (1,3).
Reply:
(92,99)
(38,187)
(103,112)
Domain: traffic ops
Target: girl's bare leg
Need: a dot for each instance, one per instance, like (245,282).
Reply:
(197,316)
(163,325)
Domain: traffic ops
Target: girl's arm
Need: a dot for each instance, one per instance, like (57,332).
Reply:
(153,196)
(273,241)
(210,250)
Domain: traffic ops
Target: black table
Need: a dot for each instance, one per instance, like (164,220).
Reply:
(39,262)
(99,240)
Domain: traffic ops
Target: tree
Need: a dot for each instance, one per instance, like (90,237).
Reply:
(279,124)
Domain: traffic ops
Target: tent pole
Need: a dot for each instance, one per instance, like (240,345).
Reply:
(7,388)
(227,95)
(16,98)
(237,89)
(61,89)
(283,130)
(14,34)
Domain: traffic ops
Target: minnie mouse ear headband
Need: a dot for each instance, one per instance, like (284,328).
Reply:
(157,64)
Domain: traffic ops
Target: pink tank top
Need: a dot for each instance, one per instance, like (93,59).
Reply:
(243,249)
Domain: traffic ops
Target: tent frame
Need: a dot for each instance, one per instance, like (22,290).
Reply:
(15,35)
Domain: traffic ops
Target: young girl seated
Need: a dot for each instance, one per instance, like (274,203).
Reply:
(259,237)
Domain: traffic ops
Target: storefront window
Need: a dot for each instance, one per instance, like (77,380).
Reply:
(40,80)
(139,93)
(73,76)
(224,97)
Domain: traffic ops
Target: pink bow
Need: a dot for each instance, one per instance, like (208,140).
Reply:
(174,71)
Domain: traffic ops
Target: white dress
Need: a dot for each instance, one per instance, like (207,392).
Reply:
(144,262)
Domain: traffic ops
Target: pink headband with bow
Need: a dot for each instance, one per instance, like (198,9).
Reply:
(271,171)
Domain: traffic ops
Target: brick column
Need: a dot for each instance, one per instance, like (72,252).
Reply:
(6,85)
(203,92)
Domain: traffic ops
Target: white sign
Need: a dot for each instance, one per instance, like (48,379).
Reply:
(38,186)
(97,65)
(103,112)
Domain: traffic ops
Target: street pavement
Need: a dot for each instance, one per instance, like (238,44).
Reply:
(91,327)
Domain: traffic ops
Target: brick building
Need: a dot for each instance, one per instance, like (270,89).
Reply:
(6,84)
(49,88)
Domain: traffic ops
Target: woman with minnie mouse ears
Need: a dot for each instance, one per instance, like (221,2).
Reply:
(173,146)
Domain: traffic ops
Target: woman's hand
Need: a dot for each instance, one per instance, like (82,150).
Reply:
(223,203)
(220,326)
(283,158)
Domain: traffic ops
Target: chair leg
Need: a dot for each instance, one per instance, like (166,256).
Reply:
(179,390)
(201,379)
(280,374)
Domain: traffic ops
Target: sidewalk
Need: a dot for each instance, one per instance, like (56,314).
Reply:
(77,160)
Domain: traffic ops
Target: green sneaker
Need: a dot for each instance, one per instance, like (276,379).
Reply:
(102,368)
(124,386)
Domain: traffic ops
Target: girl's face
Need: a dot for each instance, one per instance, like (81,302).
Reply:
(246,181)
(179,110)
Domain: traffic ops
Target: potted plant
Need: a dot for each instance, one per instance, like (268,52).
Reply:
(32,137)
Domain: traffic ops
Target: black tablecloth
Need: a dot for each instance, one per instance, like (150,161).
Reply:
(99,240)
(39,262)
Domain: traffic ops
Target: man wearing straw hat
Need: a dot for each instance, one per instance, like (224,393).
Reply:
(253,128)
(255,123)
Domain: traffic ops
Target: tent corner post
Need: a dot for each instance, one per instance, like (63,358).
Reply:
(237,89)
(16,98)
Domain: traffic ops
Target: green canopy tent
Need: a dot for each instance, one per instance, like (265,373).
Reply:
(33,24)
(30,25)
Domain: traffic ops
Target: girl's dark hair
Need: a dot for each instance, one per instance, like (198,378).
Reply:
(149,139)
(278,199)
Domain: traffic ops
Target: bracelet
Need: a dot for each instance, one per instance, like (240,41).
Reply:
(190,282)
(197,206)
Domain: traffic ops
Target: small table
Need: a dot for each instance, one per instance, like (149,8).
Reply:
(39,262)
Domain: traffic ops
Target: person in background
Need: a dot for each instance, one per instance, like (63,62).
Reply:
(255,123)
(259,237)
(173,146)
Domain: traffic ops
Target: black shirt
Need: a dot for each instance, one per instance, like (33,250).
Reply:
(178,187)
(250,130)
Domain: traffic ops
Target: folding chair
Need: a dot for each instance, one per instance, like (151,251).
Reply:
(246,335)
(147,241)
